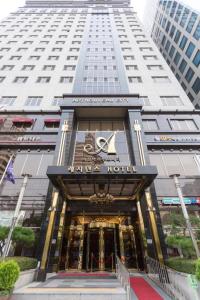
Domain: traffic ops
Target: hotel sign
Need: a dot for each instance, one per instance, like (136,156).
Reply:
(103,145)
(99,169)
(132,101)
(100,101)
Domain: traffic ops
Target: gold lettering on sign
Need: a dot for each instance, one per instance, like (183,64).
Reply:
(97,168)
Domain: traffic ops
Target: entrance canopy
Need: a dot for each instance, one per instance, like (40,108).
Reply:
(122,183)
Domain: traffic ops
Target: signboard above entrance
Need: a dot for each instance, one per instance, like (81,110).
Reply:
(99,101)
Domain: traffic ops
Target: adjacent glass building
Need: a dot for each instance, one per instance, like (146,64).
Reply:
(176,31)
(92,111)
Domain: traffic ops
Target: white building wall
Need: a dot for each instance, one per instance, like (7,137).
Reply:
(33,24)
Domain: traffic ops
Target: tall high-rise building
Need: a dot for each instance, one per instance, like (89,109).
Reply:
(175,28)
(90,108)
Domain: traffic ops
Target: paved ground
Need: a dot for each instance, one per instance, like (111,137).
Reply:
(98,286)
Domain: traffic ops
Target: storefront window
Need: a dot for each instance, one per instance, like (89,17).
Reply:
(174,163)
(32,163)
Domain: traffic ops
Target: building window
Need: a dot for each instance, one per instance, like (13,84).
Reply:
(183,42)
(190,49)
(20,79)
(33,101)
(191,22)
(51,123)
(28,67)
(52,57)
(177,36)
(171,100)
(56,49)
(161,79)
(33,163)
(189,75)
(131,67)
(69,67)
(72,57)
(172,31)
(196,59)
(150,57)
(183,125)
(22,123)
(66,79)
(145,100)
(7,100)
(169,163)
(171,52)
(191,97)
(7,67)
(49,67)
(182,66)
(15,57)
(39,49)
(154,67)
(43,79)
(167,46)
(150,124)
(135,79)
(33,57)
(127,57)
(177,58)
(196,86)
(168,26)
(178,13)
(57,101)
(196,34)
(184,17)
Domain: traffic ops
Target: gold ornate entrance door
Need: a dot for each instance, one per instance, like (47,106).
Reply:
(101,246)
(128,249)
(75,248)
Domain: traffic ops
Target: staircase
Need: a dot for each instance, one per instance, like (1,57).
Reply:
(74,286)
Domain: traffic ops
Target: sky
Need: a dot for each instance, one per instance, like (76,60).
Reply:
(11,5)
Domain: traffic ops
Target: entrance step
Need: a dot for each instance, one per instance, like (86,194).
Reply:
(73,286)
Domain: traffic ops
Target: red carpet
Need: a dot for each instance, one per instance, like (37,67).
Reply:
(143,290)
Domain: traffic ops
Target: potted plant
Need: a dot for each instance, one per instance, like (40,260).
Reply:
(9,273)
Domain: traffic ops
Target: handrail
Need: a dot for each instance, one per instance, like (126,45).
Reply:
(174,283)
(123,276)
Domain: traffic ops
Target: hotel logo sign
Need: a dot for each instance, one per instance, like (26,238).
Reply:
(103,145)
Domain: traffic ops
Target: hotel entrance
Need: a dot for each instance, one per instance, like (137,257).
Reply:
(94,245)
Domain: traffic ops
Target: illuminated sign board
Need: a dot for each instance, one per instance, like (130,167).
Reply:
(176,201)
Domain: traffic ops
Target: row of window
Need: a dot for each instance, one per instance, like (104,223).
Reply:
(69,79)
(187,21)
(4,49)
(37,100)
(46,36)
(36,57)
(156,79)
(185,164)
(73,67)
(40,79)
(175,124)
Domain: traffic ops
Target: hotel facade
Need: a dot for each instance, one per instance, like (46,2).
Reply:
(91,110)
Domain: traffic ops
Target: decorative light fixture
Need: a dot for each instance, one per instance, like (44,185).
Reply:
(101,198)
